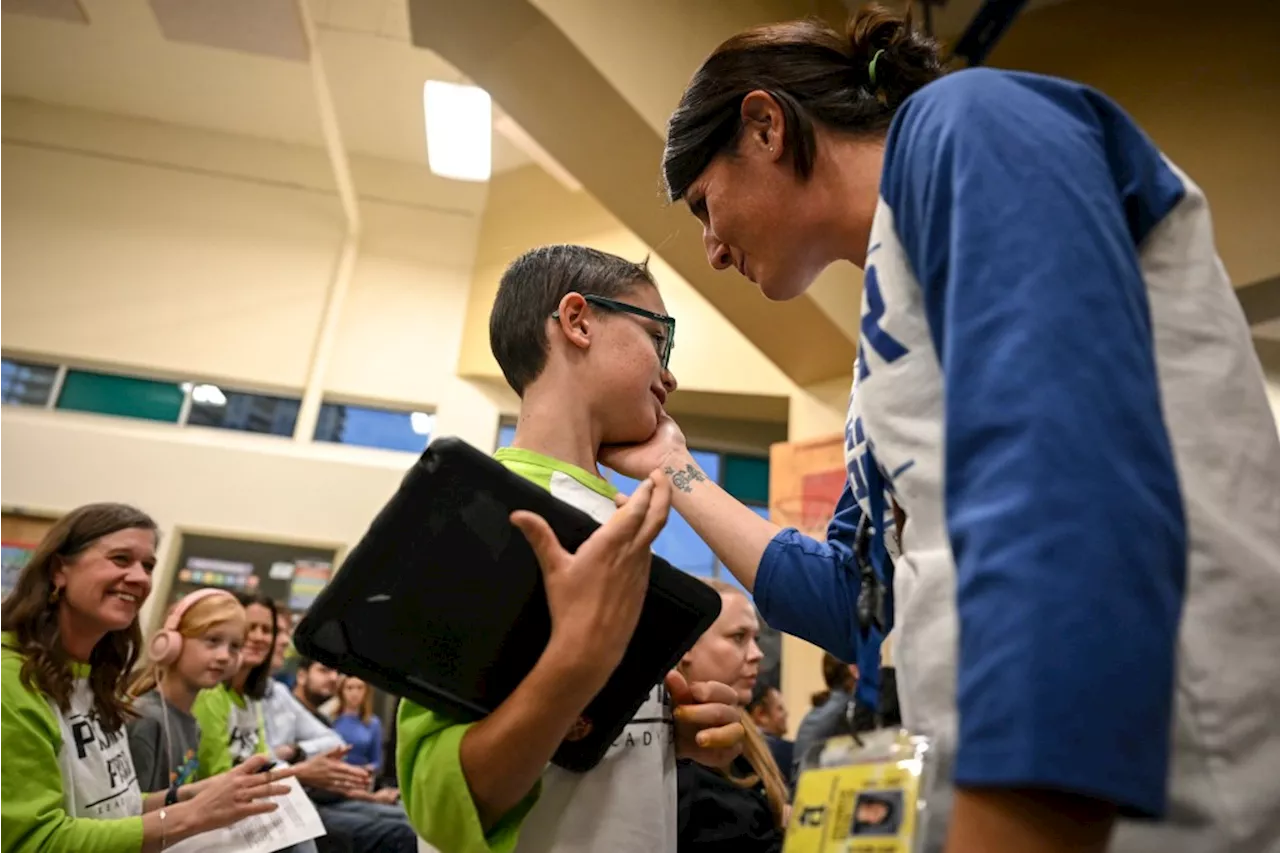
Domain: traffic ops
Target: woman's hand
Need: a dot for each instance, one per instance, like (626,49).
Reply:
(241,792)
(640,460)
(329,772)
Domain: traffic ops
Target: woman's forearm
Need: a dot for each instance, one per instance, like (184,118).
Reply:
(733,531)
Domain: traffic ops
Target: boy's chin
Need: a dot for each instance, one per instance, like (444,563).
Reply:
(634,432)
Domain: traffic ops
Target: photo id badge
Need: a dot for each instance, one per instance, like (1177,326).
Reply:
(862,795)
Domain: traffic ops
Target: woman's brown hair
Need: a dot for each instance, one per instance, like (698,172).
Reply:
(754,749)
(837,675)
(28,614)
(814,73)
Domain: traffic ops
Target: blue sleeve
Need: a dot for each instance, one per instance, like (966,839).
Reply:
(1020,202)
(809,588)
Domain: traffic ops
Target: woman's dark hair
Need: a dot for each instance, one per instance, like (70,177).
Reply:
(814,73)
(33,620)
(255,685)
(837,676)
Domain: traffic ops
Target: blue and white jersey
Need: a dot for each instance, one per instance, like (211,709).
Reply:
(1057,385)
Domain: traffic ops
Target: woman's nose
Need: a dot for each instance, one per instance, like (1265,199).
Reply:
(669,380)
(718,254)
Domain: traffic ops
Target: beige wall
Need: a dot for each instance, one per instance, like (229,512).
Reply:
(1202,80)
(207,480)
(182,252)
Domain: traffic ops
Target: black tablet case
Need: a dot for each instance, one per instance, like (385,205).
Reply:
(442,600)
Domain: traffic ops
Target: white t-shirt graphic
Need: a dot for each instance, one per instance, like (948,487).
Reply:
(97,769)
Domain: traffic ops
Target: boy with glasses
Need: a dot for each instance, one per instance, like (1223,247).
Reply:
(583,338)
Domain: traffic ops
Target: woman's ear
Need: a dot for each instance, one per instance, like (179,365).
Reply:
(764,128)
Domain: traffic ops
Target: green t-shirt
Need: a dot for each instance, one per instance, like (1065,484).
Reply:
(626,804)
(231,729)
(65,784)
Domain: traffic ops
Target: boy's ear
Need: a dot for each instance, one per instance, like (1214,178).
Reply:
(574,320)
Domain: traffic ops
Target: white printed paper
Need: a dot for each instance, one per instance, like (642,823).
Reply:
(294,821)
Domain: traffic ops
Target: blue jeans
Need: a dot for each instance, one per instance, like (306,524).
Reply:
(370,827)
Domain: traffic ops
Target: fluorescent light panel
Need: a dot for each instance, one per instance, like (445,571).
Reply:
(459,130)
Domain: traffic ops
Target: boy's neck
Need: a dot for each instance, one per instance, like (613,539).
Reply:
(562,432)
(177,692)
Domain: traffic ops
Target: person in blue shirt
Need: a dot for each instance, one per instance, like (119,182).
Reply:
(1064,477)
(358,725)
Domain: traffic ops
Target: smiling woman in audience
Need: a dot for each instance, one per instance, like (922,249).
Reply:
(71,636)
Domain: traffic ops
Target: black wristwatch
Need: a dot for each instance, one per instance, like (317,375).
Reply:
(171,796)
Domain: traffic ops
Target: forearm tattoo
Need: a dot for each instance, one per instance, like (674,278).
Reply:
(684,479)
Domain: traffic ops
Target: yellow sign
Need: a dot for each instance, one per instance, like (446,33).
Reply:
(858,808)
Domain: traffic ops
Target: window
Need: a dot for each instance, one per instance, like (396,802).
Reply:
(368,427)
(27,383)
(506,434)
(746,478)
(211,406)
(125,396)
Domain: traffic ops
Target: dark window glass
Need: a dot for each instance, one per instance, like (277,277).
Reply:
(368,427)
(213,407)
(26,383)
(125,396)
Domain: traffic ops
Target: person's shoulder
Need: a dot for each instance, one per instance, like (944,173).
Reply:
(214,698)
(147,705)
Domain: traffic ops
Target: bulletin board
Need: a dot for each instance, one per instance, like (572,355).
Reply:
(19,535)
(805,482)
(291,574)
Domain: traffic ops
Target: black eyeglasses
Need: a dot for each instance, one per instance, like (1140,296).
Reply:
(664,344)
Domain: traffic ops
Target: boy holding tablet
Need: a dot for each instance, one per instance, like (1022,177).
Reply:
(582,336)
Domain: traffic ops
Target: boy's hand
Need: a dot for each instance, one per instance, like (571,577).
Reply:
(595,596)
(708,721)
(640,460)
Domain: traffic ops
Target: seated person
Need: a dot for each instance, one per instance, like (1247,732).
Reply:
(768,711)
(365,821)
(832,712)
(197,649)
(742,808)
(358,725)
(67,782)
(581,336)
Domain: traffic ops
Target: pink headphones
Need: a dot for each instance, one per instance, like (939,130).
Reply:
(166,645)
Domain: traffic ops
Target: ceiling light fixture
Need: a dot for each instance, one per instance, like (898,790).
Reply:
(459,130)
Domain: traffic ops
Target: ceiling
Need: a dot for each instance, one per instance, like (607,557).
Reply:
(236,66)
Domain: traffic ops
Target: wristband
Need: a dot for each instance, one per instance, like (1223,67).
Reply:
(171,796)
(163,815)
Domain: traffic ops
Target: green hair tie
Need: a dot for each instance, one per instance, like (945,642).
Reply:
(871,69)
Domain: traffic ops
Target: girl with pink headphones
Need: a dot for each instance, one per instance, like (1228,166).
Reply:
(198,648)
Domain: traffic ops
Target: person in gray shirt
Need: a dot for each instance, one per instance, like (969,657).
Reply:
(197,648)
(830,713)
(164,741)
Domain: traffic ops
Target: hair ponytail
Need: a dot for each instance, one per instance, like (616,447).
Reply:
(816,74)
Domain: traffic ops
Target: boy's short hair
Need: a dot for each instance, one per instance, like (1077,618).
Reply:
(531,290)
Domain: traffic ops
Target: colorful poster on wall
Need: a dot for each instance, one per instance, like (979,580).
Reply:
(309,577)
(226,574)
(13,556)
